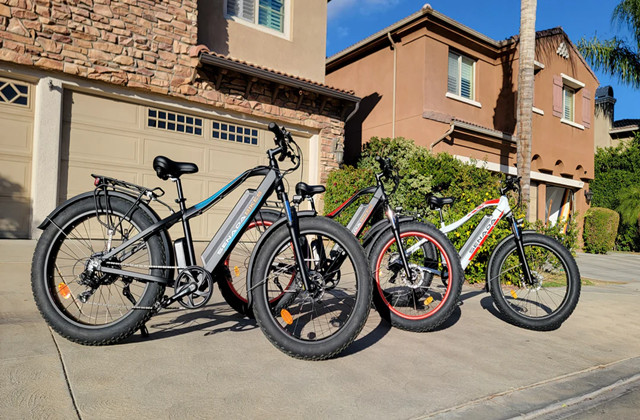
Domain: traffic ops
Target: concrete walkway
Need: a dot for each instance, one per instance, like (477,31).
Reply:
(210,363)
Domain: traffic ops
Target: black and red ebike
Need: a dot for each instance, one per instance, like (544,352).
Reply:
(415,288)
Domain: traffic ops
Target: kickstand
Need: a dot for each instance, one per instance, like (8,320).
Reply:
(144,331)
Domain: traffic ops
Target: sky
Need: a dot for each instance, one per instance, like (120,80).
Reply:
(350,21)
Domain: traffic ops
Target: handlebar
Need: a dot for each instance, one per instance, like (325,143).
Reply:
(283,140)
(511,183)
(388,171)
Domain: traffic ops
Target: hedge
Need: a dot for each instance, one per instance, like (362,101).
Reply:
(600,230)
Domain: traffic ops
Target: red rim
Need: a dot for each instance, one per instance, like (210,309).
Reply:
(377,274)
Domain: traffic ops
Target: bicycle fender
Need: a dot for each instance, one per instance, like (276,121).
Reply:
(502,243)
(166,238)
(265,236)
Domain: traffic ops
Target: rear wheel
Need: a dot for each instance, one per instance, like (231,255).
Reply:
(234,286)
(553,294)
(319,323)
(77,300)
(424,299)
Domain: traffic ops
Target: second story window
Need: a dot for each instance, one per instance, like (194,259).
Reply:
(460,76)
(267,13)
(568,103)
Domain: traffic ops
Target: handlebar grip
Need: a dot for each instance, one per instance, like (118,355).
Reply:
(273,127)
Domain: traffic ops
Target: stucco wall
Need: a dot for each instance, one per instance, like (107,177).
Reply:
(301,51)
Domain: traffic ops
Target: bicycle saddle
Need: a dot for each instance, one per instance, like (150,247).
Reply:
(306,190)
(439,202)
(166,168)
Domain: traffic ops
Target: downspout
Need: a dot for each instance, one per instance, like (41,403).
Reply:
(393,106)
(444,136)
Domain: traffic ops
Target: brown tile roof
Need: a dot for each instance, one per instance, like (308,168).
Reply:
(212,58)
(631,124)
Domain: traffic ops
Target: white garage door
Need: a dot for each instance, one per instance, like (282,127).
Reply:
(119,139)
(16,147)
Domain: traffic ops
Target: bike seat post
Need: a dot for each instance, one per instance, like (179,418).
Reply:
(185,223)
(441,217)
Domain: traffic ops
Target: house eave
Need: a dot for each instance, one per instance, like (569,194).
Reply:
(221,62)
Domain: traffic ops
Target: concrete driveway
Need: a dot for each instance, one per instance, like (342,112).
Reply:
(211,363)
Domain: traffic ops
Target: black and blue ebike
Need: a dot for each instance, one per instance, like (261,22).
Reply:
(105,259)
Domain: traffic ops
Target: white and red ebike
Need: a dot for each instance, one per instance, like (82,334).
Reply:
(533,279)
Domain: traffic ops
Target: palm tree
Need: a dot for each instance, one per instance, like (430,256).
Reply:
(615,56)
(527,51)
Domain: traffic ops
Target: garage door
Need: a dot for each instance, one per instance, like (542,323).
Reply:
(120,139)
(16,146)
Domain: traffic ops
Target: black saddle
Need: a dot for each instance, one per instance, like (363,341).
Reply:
(166,168)
(306,190)
(438,202)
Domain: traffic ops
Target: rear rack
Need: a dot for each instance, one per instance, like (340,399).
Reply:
(104,185)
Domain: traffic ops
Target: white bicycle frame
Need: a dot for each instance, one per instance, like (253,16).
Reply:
(479,234)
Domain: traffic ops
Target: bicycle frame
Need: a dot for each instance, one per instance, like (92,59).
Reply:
(228,234)
(482,231)
(480,234)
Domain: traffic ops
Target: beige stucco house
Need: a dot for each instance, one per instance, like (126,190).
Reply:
(610,132)
(105,86)
(453,89)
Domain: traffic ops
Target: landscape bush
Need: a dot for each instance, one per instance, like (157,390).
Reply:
(600,230)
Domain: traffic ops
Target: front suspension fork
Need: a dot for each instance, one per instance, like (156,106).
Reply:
(393,219)
(294,232)
(517,236)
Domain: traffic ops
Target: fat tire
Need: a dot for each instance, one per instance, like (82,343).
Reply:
(233,285)
(570,298)
(395,314)
(43,277)
(264,311)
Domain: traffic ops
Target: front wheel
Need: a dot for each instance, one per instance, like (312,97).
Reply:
(424,298)
(547,301)
(318,323)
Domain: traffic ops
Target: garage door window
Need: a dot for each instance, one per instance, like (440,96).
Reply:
(15,93)
(235,133)
(173,121)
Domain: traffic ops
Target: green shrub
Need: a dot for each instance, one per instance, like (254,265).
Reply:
(600,230)
(565,232)
(341,185)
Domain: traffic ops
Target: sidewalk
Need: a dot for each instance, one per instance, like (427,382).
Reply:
(210,363)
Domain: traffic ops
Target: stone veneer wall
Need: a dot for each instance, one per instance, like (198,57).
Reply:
(152,46)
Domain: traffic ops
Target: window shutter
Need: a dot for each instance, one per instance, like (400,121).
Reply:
(452,75)
(557,96)
(466,79)
(271,14)
(241,8)
(569,96)
(586,108)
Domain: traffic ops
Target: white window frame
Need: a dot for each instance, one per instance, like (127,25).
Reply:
(286,24)
(573,85)
(456,95)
